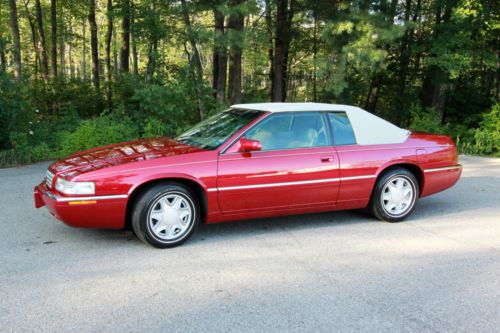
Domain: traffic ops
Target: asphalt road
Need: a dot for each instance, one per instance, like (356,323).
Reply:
(437,272)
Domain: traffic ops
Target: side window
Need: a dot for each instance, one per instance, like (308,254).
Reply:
(291,130)
(343,133)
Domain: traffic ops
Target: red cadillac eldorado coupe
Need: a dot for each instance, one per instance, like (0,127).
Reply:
(253,160)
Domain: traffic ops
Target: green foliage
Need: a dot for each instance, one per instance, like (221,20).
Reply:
(12,107)
(487,137)
(483,140)
(96,132)
(50,121)
(426,120)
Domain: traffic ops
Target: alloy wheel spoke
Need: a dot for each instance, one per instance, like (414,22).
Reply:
(159,227)
(173,228)
(183,214)
(157,215)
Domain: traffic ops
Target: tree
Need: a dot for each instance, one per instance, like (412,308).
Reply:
(284,17)
(133,33)
(219,71)
(125,50)
(436,84)
(17,39)
(235,25)
(109,35)
(84,50)
(93,45)
(43,44)
(196,58)
(53,24)
(270,46)
(34,38)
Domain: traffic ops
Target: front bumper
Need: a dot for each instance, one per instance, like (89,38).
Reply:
(84,212)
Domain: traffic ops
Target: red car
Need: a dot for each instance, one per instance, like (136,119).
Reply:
(253,160)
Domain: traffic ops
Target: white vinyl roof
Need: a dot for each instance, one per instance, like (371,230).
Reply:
(368,128)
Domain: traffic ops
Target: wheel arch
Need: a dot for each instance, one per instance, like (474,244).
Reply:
(197,188)
(410,166)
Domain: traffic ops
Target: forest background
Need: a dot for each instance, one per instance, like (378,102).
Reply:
(79,74)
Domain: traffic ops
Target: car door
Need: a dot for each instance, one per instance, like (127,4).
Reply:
(297,166)
(358,164)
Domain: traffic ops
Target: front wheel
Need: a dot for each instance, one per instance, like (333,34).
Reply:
(394,195)
(165,215)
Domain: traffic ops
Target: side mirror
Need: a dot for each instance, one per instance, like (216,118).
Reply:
(247,145)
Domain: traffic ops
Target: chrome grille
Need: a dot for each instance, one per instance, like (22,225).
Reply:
(49,178)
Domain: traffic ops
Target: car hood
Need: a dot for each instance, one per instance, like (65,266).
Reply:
(121,153)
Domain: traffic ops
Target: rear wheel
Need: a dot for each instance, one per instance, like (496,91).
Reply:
(394,195)
(165,215)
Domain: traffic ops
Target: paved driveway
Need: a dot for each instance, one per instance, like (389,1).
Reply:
(437,272)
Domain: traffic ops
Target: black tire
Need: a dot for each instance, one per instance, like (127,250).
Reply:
(376,206)
(143,207)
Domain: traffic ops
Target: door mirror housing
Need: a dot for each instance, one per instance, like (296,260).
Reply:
(247,145)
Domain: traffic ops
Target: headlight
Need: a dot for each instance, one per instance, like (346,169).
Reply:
(67,187)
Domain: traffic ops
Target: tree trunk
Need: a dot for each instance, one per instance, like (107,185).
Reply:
(315,58)
(270,47)
(284,16)
(3,60)
(34,39)
(125,50)
(436,84)
(115,52)
(84,50)
(151,65)
(72,69)
(215,56)
(134,39)
(43,43)
(196,61)
(14,24)
(372,98)
(236,23)
(109,35)
(404,56)
(93,45)
(220,58)
(62,45)
(53,24)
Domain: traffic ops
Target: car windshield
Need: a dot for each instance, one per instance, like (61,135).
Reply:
(214,131)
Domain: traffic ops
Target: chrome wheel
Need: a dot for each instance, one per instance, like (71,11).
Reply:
(398,196)
(170,217)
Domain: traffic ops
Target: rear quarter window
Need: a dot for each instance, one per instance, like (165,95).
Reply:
(343,133)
